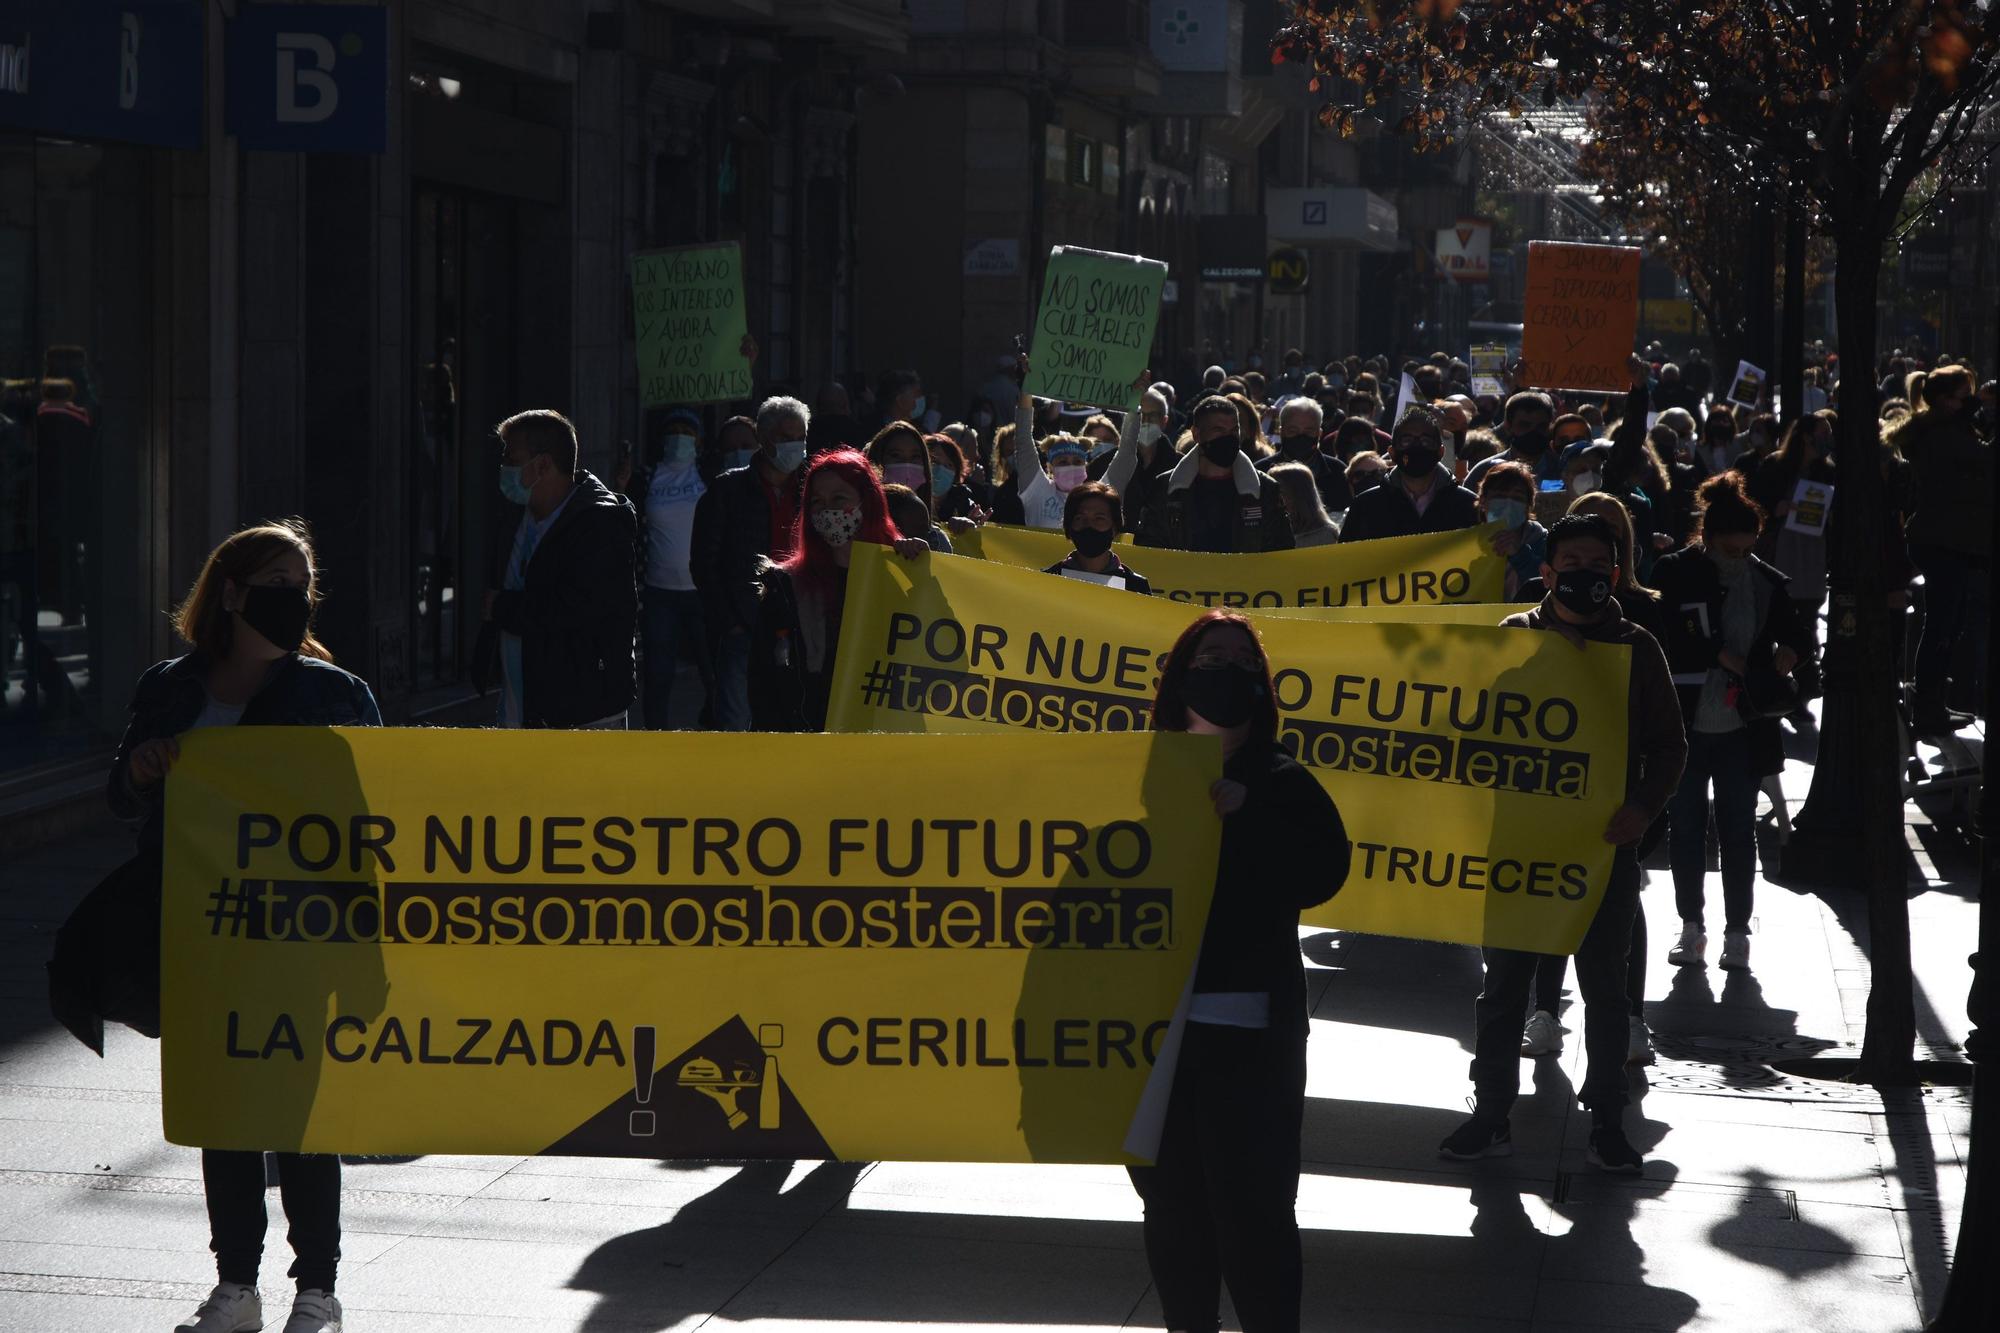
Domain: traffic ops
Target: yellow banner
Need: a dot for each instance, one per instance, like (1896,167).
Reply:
(653,945)
(1475,767)
(1424,570)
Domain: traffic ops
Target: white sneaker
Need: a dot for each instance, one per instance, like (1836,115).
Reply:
(1736,948)
(230,1308)
(1542,1035)
(314,1311)
(1692,949)
(1638,1043)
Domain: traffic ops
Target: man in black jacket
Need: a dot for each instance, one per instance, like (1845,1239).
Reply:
(747,516)
(1417,495)
(1214,498)
(567,603)
(1299,428)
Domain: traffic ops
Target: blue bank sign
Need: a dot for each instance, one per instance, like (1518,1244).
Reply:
(309,78)
(126,70)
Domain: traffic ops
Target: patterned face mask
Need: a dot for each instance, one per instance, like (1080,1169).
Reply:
(837,526)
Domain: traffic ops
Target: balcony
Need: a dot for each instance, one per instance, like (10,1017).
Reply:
(1108,48)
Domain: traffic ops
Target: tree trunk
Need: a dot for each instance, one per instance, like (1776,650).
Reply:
(1792,324)
(1853,814)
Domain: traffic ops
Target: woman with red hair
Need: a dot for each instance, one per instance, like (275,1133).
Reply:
(1220,1195)
(798,620)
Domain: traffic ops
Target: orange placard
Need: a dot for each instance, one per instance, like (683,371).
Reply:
(1580,316)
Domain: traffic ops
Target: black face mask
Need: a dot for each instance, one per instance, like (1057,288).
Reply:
(1533,444)
(1091,542)
(1223,694)
(1418,460)
(1583,591)
(1299,446)
(1364,481)
(280,614)
(1222,450)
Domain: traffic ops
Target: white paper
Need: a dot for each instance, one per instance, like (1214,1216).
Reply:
(1812,501)
(1755,388)
(1406,395)
(1108,580)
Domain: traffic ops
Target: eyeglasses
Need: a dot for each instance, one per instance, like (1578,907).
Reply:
(1210,661)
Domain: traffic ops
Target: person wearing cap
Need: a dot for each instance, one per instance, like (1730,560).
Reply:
(1418,495)
(666,492)
(1582,572)
(1214,499)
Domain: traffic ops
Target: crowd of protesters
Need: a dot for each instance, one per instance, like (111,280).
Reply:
(1666,518)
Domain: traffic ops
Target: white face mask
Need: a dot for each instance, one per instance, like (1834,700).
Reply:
(679,451)
(837,526)
(1583,483)
(1150,435)
(788,455)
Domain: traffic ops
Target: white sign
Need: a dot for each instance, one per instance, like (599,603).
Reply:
(1465,251)
(316,78)
(1747,389)
(1330,215)
(994,257)
(1811,502)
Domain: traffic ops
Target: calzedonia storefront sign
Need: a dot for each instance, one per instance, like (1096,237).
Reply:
(98,69)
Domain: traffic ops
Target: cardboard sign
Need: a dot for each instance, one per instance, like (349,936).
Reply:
(1094,332)
(687,320)
(1811,502)
(376,941)
(1474,766)
(1580,316)
(1747,389)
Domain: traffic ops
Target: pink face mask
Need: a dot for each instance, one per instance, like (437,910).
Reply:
(1069,476)
(913,475)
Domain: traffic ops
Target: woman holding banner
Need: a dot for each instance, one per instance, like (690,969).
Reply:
(255,663)
(798,616)
(1219,1198)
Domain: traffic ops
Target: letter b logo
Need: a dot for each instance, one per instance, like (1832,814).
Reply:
(316,77)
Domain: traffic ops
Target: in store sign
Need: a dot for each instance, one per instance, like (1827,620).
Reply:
(130,72)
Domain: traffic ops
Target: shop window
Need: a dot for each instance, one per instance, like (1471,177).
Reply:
(76,587)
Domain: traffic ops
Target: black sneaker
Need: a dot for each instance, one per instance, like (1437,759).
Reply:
(1481,1136)
(1610,1150)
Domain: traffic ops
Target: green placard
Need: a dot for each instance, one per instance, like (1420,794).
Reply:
(687,313)
(1094,332)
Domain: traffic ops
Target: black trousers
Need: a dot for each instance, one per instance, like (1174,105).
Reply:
(1220,1200)
(308,1185)
(1554,967)
(1600,978)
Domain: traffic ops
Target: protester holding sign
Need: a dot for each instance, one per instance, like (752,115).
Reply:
(1092,517)
(1220,1196)
(1418,495)
(1214,499)
(1581,572)
(798,616)
(255,663)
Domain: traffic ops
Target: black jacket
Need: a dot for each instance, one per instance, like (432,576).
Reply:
(1258,521)
(298,692)
(1328,475)
(577,612)
(1285,850)
(731,539)
(786,692)
(1388,511)
(1134,580)
(1691,604)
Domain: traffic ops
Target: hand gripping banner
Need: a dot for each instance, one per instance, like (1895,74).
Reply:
(656,945)
(1475,767)
(1430,569)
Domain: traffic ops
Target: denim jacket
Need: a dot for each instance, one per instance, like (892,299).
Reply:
(298,692)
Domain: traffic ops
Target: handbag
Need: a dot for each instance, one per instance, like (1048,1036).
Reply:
(1766,693)
(106,964)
